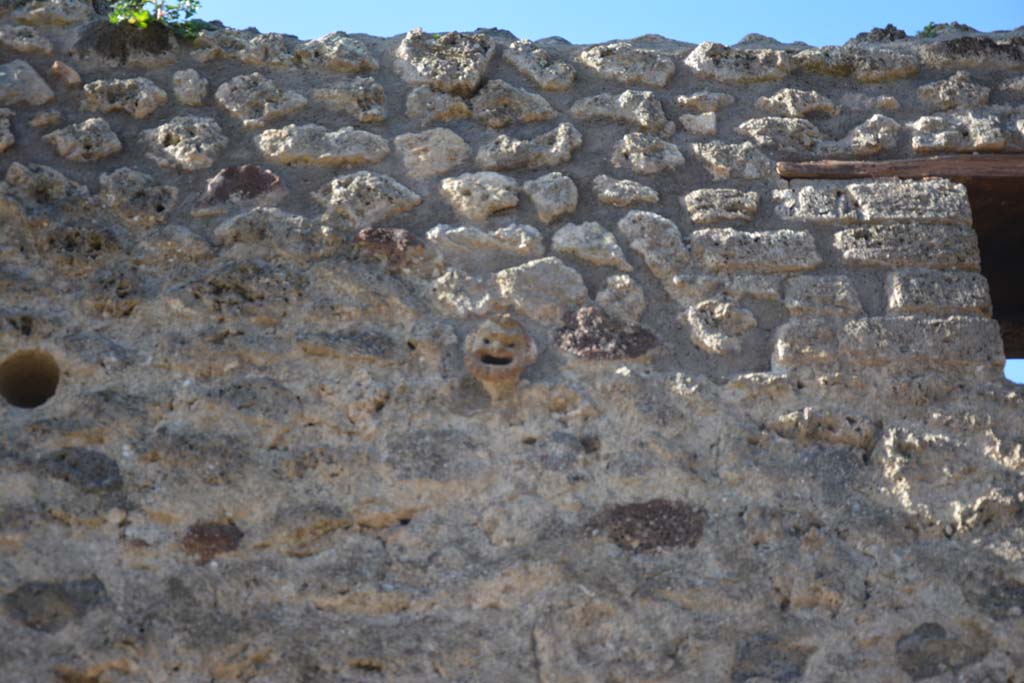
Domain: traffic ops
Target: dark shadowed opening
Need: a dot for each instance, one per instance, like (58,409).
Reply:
(28,379)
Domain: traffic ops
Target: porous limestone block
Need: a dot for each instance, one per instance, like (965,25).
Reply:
(477,195)
(65,74)
(431,106)
(138,97)
(646,154)
(21,84)
(657,240)
(957,132)
(553,195)
(537,64)
(499,104)
(365,198)
(822,296)
(623,193)
(624,63)
(90,140)
(548,149)
(361,98)
(452,62)
(432,152)
(728,250)
(867,65)
(189,87)
(818,425)
(938,293)
(544,289)
(591,243)
(740,161)
(338,52)
(704,102)
(53,12)
(805,342)
(462,245)
(186,142)
(972,52)
(137,197)
(256,100)
(958,91)
(860,102)
(876,135)
(933,200)
(728,65)
(314,145)
(718,326)
(795,102)
(910,245)
(699,124)
(622,298)
(708,206)
(914,339)
(24,39)
(782,133)
(639,108)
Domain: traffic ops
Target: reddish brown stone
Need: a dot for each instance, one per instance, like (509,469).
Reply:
(206,540)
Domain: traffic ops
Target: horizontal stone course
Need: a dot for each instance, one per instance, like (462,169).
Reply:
(891,339)
(729,250)
(910,245)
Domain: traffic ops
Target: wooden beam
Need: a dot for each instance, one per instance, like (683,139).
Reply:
(962,167)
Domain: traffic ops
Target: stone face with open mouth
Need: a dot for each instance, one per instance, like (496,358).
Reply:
(497,352)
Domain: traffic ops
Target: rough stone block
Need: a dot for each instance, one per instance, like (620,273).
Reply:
(938,293)
(591,243)
(646,154)
(729,65)
(626,64)
(549,149)
(553,195)
(957,91)
(477,195)
(957,132)
(188,142)
(544,289)
(361,98)
(499,104)
(536,63)
(623,193)
(743,161)
(699,124)
(452,62)
(805,342)
(314,145)
(364,198)
(90,140)
(138,97)
(20,84)
(799,103)
(912,339)
(657,239)
(934,200)
(782,133)
(910,245)
(720,206)
(819,296)
(256,100)
(728,250)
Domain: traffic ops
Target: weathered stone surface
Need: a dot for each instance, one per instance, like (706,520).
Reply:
(875,65)
(728,65)
(973,52)
(65,74)
(553,195)
(364,198)
(704,102)
(24,39)
(794,102)
(256,100)
(956,92)
(718,326)
(782,133)
(657,239)
(477,195)
(622,298)
(861,102)
(6,134)
(728,250)
(910,246)
(499,104)
(53,12)
(90,140)
(314,145)
(548,149)
(623,193)
(626,64)
(186,142)
(876,135)
(892,339)
(461,246)
(938,293)
(432,106)
(543,289)
(239,187)
(20,84)
(724,161)
(361,98)
(536,63)
(432,152)
(592,335)
(818,296)
(136,197)
(49,606)
(336,51)
(640,108)
(591,243)
(260,224)
(453,62)
(935,200)
(720,205)
(189,87)
(805,342)
(957,133)
(699,124)
(815,425)
(139,97)
(646,154)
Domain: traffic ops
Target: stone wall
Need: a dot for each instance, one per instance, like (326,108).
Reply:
(464,358)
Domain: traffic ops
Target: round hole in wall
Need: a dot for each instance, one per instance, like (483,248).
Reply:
(28,379)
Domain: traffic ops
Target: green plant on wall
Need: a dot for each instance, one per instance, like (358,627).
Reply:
(177,16)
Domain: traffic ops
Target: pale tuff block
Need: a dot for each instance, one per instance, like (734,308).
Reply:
(910,246)
(727,250)
(937,292)
(890,339)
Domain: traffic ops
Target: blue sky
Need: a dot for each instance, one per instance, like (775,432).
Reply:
(817,22)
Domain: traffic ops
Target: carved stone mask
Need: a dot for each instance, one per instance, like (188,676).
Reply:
(497,352)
